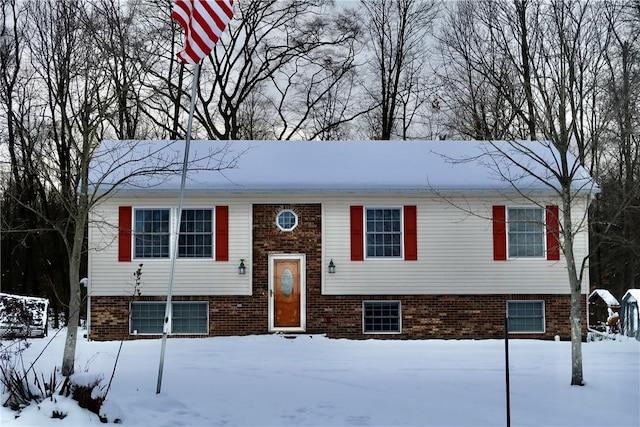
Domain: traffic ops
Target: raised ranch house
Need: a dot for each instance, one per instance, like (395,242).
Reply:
(359,239)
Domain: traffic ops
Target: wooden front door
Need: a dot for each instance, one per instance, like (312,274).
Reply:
(287,293)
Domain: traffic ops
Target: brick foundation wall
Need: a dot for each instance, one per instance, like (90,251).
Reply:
(423,316)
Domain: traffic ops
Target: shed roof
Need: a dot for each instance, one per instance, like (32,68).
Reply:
(606,296)
(632,294)
(333,166)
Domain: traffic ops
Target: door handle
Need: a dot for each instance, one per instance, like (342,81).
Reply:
(271,293)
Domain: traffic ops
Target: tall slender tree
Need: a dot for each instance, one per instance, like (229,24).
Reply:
(397,32)
(542,60)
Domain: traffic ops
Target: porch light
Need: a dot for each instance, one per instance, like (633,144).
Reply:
(332,267)
(242,269)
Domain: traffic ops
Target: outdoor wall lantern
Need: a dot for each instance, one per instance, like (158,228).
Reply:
(242,269)
(332,267)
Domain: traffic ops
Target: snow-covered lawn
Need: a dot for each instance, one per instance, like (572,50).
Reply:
(312,380)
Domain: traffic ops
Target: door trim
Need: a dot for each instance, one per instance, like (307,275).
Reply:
(303,292)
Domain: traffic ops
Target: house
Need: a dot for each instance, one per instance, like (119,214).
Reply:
(603,307)
(358,239)
(630,313)
(23,317)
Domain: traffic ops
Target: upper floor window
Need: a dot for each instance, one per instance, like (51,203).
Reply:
(287,220)
(526,231)
(383,232)
(151,230)
(196,234)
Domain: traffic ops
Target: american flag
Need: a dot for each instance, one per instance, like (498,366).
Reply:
(203,22)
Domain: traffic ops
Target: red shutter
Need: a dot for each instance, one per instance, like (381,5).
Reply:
(553,233)
(124,233)
(357,235)
(222,233)
(499,233)
(410,233)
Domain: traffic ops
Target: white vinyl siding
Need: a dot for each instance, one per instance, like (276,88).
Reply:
(455,252)
(193,276)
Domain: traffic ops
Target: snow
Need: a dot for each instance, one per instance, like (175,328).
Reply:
(606,296)
(327,166)
(22,315)
(312,380)
(634,293)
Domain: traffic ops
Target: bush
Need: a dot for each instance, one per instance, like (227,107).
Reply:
(22,387)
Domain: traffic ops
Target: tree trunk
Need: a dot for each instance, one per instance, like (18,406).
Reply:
(575,315)
(68,357)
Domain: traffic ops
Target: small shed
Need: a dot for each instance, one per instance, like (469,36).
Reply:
(601,306)
(630,313)
(22,316)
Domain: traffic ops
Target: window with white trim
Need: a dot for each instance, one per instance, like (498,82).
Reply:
(526,232)
(187,317)
(381,317)
(287,220)
(526,316)
(151,231)
(196,234)
(383,232)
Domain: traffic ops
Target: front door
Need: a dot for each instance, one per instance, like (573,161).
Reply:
(287,293)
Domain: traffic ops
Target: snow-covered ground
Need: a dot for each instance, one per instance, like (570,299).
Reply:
(271,380)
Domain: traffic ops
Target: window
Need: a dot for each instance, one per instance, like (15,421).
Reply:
(196,234)
(187,317)
(381,317)
(526,232)
(526,316)
(151,233)
(190,317)
(287,220)
(147,317)
(384,232)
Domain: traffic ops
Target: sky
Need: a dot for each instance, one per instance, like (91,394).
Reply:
(311,380)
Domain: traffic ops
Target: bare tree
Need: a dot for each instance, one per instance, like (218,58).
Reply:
(277,49)
(29,246)
(616,238)
(543,61)
(397,32)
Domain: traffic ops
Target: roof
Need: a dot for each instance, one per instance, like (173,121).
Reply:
(631,293)
(606,296)
(332,166)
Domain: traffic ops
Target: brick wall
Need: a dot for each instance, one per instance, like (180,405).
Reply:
(423,316)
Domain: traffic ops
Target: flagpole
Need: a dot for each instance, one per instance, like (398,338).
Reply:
(167,311)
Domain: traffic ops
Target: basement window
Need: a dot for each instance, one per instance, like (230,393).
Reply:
(526,316)
(381,317)
(188,317)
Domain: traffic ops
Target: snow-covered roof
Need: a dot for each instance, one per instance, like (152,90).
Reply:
(331,166)
(634,293)
(606,296)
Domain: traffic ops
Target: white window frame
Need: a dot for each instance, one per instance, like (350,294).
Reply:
(287,211)
(365,232)
(163,305)
(136,232)
(544,316)
(364,328)
(544,233)
(213,232)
